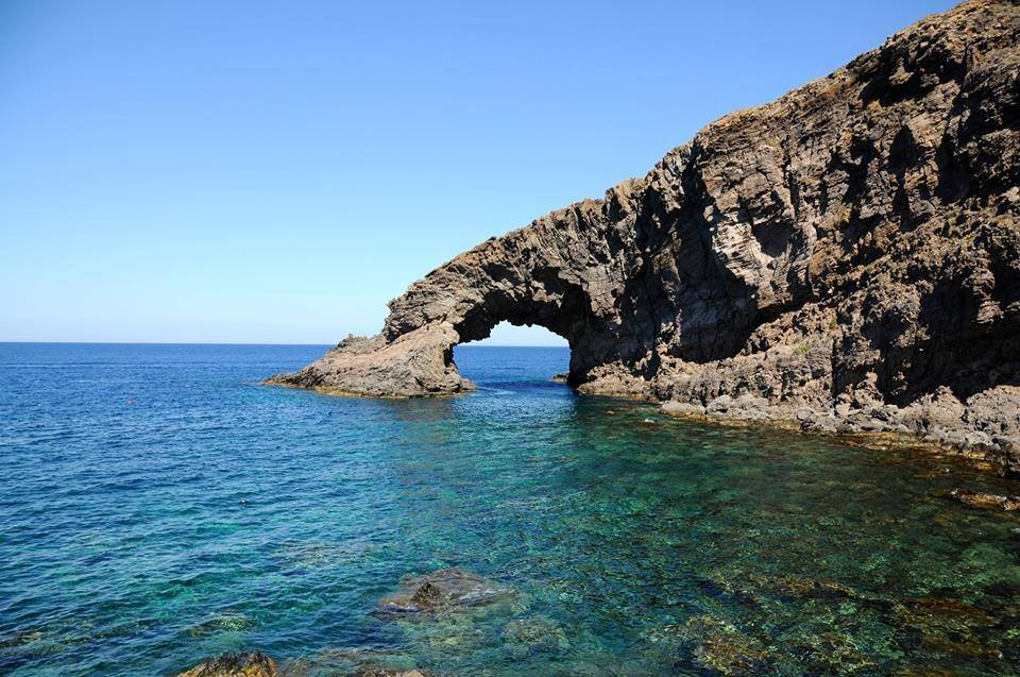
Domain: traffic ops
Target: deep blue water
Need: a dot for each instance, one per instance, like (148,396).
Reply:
(158,507)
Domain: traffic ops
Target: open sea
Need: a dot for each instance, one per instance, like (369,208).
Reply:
(158,507)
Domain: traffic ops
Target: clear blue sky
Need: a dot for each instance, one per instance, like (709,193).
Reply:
(276,171)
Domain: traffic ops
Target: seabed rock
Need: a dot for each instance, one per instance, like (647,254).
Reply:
(935,615)
(534,634)
(760,588)
(333,662)
(240,664)
(722,648)
(985,501)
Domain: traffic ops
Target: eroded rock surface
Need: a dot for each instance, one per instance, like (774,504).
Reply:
(848,255)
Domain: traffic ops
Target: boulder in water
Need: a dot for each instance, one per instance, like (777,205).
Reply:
(443,590)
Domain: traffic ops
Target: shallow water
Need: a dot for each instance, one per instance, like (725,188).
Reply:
(158,507)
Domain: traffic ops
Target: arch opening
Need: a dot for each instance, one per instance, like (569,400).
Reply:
(515,357)
(506,334)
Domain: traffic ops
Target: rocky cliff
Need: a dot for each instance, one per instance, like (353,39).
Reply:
(847,256)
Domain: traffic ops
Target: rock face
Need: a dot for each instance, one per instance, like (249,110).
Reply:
(848,254)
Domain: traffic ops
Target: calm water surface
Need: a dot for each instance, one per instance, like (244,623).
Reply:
(158,507)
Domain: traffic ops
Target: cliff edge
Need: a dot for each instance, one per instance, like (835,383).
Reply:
(847,256)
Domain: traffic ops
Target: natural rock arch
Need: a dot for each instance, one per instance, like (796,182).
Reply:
(845,242)
(587,273)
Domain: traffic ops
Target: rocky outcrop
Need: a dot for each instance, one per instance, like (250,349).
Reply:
(848,255)
(417,363)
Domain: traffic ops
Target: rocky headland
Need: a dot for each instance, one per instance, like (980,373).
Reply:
(846,258)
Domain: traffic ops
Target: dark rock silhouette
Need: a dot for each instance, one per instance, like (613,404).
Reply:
(847,256)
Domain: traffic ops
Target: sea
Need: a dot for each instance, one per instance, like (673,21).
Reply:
(158,506)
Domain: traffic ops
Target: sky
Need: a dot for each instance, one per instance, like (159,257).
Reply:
(274,172)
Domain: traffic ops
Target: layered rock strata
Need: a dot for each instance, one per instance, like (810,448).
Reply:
(847,256)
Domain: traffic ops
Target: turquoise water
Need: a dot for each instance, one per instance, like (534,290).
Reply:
(158,507)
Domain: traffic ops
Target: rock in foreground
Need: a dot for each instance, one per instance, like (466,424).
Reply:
(258,664)
(850,247)
(242,664)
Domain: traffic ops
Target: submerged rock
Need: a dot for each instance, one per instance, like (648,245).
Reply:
(760,587)
(936,616)
(967,649)
(721,647)
(443,590)
(531,635)
(351,662)
(832,653)
(984,501)
(240,664)
(220,623)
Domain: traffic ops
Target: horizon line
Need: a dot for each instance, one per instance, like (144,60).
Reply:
(474,344)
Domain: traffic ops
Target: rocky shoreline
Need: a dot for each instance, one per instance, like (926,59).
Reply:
(846,258)
(984,430)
